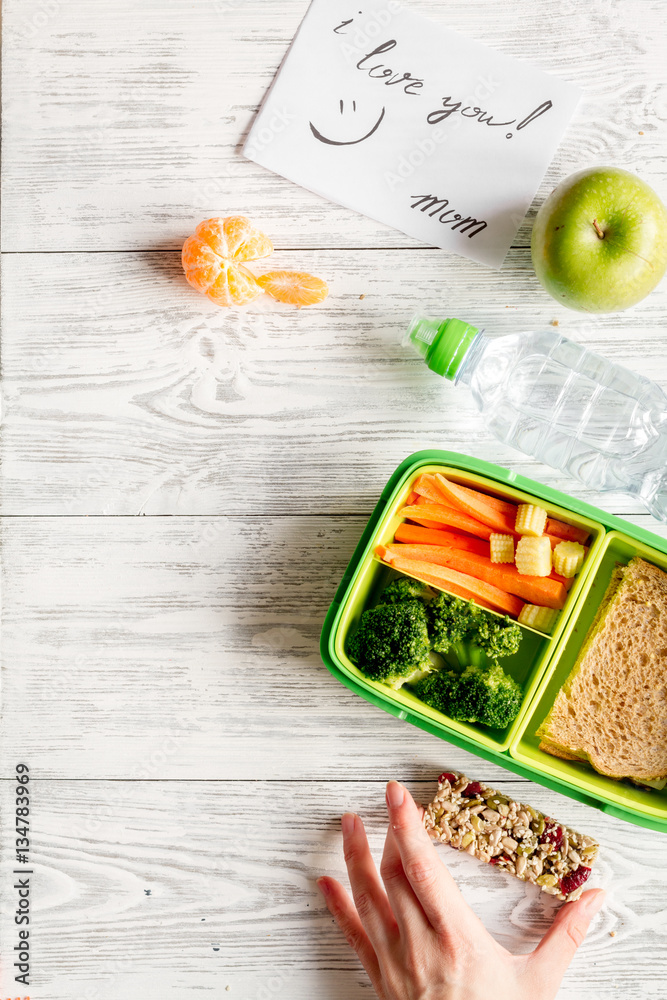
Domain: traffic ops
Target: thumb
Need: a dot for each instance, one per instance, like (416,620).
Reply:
(558,946)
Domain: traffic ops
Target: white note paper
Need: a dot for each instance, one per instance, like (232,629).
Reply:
(412,124)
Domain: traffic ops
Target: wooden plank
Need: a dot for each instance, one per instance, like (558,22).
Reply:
(163,888)
(126,392)
(180,647)
(125,126)
(175,647)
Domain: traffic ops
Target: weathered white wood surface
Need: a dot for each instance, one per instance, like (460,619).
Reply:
(126,392)
(161,675)
(124,121)
(193,641)
(154,889)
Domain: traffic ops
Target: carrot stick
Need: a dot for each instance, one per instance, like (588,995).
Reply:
(423,501)
(565,531)
(481,506)
(476,507)
(449,579)
(427,506)
(425,523)
(535,589)
(432,533)
(502,522)
(423,573)
(437,489)
(427,536)
(426,486)
(446,515)
(505,506)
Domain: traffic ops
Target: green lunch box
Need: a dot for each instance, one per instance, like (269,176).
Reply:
(543,662)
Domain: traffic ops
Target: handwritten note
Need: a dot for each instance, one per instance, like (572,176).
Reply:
(405,121)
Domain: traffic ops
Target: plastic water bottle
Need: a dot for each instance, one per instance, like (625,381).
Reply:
(560,403)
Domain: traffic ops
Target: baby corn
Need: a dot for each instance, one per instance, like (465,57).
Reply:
(530,520)
(568,558)
(542,619)
(501,548)
(533,556)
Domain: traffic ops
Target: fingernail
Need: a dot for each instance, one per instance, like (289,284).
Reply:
(347,824)
(395,795)
(592,903)
(323,886)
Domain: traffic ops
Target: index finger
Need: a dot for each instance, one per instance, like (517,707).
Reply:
(368,892)
(432,884)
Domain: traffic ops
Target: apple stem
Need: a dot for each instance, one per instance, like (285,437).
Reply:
(598,230)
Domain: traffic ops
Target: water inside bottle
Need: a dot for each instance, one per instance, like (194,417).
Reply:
(572,409)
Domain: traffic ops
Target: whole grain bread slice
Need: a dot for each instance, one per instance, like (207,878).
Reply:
(612,709)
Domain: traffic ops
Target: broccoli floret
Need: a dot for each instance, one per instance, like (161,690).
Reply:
(391,644)
(405,589)
(444,691)
(451,620)
(475,637)
(499,696)
(492,639)
(488,695)
(503,640)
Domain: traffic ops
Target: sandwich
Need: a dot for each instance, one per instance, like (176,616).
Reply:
(612,709)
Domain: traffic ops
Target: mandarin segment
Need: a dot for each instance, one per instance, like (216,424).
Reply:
(211,233)
(244,240)
(200,263)
(294,287)
(234,286)
(234,238)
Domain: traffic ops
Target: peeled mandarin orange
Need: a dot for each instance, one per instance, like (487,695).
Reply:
(211,259)
(295,287)
(234,238)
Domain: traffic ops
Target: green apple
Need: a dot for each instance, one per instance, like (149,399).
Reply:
(599,241)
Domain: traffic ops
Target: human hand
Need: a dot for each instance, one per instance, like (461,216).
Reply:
(418,939)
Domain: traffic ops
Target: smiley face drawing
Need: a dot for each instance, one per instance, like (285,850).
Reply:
(347,142)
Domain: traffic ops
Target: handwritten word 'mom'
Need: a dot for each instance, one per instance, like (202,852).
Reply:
(426,202)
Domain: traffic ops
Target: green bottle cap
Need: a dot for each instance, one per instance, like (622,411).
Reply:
(443,343)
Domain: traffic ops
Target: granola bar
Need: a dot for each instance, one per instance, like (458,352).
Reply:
(475,818)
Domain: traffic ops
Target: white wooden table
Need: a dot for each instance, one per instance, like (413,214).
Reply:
(190,755)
